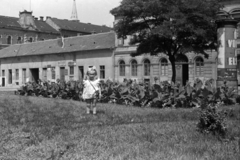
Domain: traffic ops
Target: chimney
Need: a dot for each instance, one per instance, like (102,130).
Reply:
(48,17)
(41,18)
(26,19)
(36,18)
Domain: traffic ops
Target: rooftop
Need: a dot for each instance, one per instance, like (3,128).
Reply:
(55,46)
(71,25)
(12,22)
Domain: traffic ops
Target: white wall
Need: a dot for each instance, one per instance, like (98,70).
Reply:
(86,59)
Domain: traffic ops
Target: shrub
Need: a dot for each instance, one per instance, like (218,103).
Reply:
(131,93)
(212,121)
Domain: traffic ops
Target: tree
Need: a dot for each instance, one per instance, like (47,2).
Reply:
(169,26)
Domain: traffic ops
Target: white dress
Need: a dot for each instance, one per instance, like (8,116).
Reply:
(89,90)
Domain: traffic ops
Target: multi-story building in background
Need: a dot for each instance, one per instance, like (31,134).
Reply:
(27,28)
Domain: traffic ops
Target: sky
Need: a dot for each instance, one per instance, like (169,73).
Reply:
(89,11)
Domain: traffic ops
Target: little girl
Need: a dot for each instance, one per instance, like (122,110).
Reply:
(92,90)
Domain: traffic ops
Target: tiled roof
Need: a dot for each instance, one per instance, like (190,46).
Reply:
(12,22)
(42,26)
(79,26)
(9,22)
(72,44)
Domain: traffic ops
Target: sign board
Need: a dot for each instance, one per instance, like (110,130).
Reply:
(227,59)
(227,74)
(61,63)
(71,63)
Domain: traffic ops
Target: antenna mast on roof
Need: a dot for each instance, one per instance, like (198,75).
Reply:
(30,5)
(74,12)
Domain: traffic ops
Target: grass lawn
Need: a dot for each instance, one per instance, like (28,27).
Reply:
(38,128)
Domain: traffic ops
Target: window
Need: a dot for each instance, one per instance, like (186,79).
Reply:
(44,74)
(9,76)
(17,74)
(9,40)
(122,68)
(3,73)
(134,67)
(24,75)
(164,66)
(120,41)
(19,40)
(199,66)
(53,73)
(238,32)
(102,72)
(147,68)
(30,39)
(71,70)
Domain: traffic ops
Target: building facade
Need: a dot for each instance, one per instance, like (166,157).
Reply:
(155,69)
(27,28)
(65,59)
(146,68)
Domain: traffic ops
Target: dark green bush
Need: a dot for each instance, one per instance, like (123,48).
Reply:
(131,93)
(212,121)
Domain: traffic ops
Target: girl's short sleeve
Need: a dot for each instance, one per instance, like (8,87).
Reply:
(84,82)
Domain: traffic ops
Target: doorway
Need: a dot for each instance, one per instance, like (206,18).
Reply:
(182,68)
(34,74)
(3,78)
(3,82)
(80,73)
(62,73)
(9,76)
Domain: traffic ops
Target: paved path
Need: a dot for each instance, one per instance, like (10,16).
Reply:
(8,88)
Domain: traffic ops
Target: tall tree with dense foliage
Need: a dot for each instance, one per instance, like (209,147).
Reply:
(169,26)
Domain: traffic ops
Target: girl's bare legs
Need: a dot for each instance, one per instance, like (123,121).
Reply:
(88,105)
(94,106)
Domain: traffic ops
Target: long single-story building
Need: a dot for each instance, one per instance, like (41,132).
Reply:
(63,59)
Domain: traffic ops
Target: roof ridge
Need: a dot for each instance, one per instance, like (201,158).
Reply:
(87,23)
(8,16)
(88,35)
(66,38)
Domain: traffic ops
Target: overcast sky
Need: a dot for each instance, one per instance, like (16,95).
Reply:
(89,11)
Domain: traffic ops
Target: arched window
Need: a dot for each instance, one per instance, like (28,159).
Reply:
(9,40)
(19,40)
(164,66)
(146,67)
(134,67)
(199,66)
(30,39)
(122,68)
